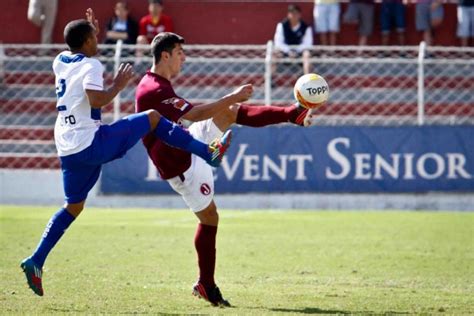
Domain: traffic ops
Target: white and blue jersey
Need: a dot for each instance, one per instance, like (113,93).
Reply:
(77,121)
(83,143)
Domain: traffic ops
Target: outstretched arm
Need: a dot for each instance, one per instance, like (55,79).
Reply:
(100,98)
(206,111)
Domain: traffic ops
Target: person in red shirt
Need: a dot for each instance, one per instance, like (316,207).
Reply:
(153,23)
(188,174)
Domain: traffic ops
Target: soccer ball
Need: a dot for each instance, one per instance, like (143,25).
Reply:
(311,91)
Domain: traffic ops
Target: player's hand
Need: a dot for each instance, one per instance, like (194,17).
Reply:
(123,76)
(242,93)
(90,16)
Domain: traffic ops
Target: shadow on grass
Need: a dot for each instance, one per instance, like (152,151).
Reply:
(66,310)
(75,310)
(315,310)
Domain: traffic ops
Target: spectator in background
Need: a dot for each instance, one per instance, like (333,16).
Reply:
(392,14)
(121,26)
(42,13)
(429,15)
(326,20)
(362,12)
(153,23)
(465,21)
(293,37)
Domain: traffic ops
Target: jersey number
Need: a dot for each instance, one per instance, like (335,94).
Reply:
(70,119)
(61,88)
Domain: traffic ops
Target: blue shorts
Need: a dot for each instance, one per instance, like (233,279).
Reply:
(81,170)
(392,14)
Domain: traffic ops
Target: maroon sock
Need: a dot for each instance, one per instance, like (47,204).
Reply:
(257,116)
(205,243)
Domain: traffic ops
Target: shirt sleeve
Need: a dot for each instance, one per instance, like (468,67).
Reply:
(174,108)
(163,100)
(307,41)
(279,39)
(94,76)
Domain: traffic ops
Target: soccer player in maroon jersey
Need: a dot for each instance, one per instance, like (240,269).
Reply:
(188,174)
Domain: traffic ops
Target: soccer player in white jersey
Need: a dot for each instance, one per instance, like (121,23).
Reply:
(84,144)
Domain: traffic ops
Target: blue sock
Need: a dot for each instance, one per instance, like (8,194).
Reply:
(175,136)
(58,223)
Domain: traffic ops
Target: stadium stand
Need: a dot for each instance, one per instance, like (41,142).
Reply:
(232,22)
(374,86)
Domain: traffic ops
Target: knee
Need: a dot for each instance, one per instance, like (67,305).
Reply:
(306,54)
(34,16)
(209,215)
(210,218)
(231,113)
(277,54)
(154,117)
(226,117)
(75,209)
(234,108)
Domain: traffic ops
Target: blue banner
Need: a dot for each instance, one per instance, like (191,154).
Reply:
(323,159)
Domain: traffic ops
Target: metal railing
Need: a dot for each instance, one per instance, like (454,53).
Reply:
(414,85)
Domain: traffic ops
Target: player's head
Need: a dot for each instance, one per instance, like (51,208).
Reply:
(167,51)
(80,36)
(294,13)
(155,7)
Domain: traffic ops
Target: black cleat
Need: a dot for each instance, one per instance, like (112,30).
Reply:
(212,295)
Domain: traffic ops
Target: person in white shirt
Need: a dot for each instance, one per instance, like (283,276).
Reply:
(84,144)
(294,38)
(326,20)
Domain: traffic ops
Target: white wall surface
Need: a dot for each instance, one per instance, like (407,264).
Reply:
(44,187)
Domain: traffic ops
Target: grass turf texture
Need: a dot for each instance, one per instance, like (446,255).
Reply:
(143,261)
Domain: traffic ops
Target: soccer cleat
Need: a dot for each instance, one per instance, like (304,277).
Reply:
(212,295)
(33,275)
(218,148)
(303,117)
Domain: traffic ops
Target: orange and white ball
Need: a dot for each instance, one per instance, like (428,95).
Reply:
(311,91)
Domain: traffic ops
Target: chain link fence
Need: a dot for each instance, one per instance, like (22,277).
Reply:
(369,86)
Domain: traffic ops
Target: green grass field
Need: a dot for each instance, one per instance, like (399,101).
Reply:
(143,261)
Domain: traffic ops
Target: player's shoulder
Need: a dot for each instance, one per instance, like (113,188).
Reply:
(151,83)
(156,80)
(68,58)
(91,64)
(94,62)
(153,87)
